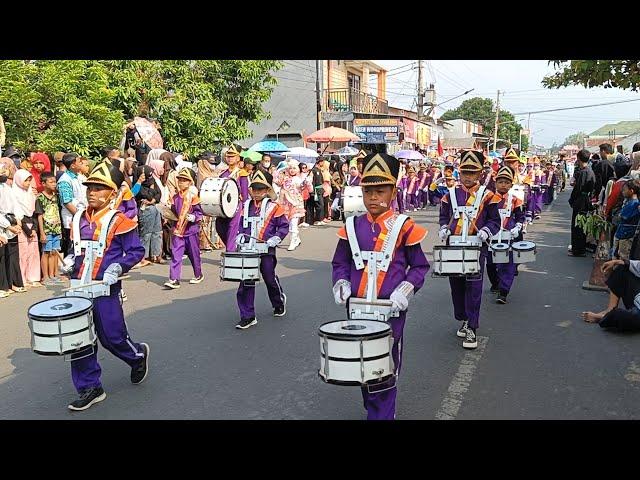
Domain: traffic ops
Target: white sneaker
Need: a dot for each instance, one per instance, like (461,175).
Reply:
(195,281)
(294,244)
(304,225)
(462,331)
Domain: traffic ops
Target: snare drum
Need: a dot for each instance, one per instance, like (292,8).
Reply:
(453,260)
(219,197)
(524,252)
(380,309)
(61,326)
(355,352)
(499,252)
(239,266)
(352,201)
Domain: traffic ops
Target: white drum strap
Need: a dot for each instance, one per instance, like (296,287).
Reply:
(453,201)
(390,242)
(505,213)
(476,204)
(78,244)
(353,243)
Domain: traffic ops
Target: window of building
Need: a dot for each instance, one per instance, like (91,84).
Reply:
(354,80)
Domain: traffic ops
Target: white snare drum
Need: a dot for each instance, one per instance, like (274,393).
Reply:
(352,201)
(518,191)
(239,266)
(450,260)
(523,252)
(355,352)
(62,325)
(499,252)
(219,197)
(380,310)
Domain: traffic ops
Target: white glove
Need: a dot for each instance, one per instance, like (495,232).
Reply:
(240,239)
(483,235)
(342,291)
(444,233)
(191,217)
(112,273)
(515,231)
(400,296)
(273,241)
(67,264)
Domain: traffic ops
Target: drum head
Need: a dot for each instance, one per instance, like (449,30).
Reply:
(524,245)
(230,197)
(60,307)
(499,247)
(354,328)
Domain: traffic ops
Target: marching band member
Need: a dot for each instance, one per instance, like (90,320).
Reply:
(401,187)
(501,275)
(488,176)
(467,293)
(121,252)
(432,196)
(511,159)
(412,189)
(227,228)
(537,178)
(425,179)
(185,205)
(273,226)
(406,272)
(551,181)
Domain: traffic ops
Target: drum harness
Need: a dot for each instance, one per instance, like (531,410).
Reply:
(256,225)
(376,262)
(469,212)
(505,213)
(92,251)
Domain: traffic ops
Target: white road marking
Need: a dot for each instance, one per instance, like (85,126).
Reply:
(633,373)
(460,383)
(564,324)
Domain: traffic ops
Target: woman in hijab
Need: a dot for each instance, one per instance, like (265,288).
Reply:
(10,169)
(149,219)
(10,276)
(25,204)
(155,154)
(40,163)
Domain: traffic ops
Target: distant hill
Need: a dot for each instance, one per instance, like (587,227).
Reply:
(626,127)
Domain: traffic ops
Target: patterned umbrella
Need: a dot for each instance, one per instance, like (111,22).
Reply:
(269,146)
(148,132)
(332,134)
(409,155)
(348,151)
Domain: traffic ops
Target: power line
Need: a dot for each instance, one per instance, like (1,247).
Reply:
(401,66)
(581,106)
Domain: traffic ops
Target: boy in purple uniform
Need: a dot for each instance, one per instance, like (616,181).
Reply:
(121,252)
(466,293)
(186,206)
(405,274)
(271,227)
(228,228)
(501,275)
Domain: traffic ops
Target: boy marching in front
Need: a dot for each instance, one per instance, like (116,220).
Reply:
(406,270)
(121,251)
(261,221)
(466,292)
(512,219)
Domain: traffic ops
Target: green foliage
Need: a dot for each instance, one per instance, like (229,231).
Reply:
(481,111)
(592,224)
(575,139)
(623,74)
(82,106)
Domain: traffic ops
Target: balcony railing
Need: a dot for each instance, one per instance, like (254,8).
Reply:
(352,100)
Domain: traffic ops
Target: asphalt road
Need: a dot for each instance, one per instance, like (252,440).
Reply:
(537,359)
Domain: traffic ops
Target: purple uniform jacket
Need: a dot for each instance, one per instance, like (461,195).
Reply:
(517,211)
(353,181)
(192,228)
(275,225)
(409,262)
(123,243)
(412,185)
(129,208)
(487,219)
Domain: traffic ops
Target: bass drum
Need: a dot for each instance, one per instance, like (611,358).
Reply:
(219,197)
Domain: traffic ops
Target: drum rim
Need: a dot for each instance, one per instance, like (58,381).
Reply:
(356,359)
(240,254)
(355,383)
(66,352)
(350,337)
(457,247)
(515,247)
(503,247)
(67,316)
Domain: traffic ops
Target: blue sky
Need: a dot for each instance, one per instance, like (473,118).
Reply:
(523,92)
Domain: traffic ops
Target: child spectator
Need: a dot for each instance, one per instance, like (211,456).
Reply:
(629,217)
(50,228)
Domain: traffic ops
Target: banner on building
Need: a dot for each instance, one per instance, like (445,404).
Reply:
(423,134)
(377,130)
(409,130)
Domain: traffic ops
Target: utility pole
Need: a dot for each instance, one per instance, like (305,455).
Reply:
(420,91)
(495,127)
(318,104)
(529,128)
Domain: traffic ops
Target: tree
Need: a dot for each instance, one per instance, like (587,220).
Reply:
(82,106)
(481,111)
(623,74)
(58,105)
(198,103)
(575,139)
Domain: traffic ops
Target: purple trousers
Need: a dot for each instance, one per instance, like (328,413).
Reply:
(534,203)
(111,330)
(400,200)
(539,201)
(178,247)
(501,275)
(382,405)
(424,199)
(228,229)
(467,294)
(247,291)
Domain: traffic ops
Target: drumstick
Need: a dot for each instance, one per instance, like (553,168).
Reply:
(99,282)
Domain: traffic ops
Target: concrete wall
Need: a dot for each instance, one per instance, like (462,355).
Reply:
(293,100)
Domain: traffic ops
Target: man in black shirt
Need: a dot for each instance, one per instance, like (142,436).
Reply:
(603,170)
(580,202)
